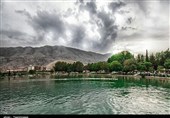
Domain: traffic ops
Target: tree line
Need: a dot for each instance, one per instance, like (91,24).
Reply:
(121,62)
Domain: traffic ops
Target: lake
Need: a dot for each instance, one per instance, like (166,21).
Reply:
(119,95)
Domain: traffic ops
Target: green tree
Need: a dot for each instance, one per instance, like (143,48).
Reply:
(138,58)
(147,65)
(78,66)
(32,72)
(69,67)
(141,66)
(129,65)
(103,66)
(116,66)
(153,61)
(147,58)
(167,64)
(120,57)
(142,58)
(60,66)
(160,68)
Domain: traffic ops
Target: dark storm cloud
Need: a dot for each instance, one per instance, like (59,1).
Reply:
(116,5)
(108,32)
(105,23)
(78,33)
(89,6)
(44,22)
(14,36)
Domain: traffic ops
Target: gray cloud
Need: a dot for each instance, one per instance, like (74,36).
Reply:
(123,12)
(108,31)
(129,20)
(89,6)
(14,34)
(15,37)
(24,12)
(97,32)
(78,33)
(105,23)
(44,22)
(114,6)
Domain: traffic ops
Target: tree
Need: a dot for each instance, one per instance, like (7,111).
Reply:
(147,65)
(147,58)
(120,57)
(141,66)
(129,65)
(115,66)
(78,66)
(103,66)
(69,67)
(60,66)
(167,64)
(139,58)
(153,61)
(142,58)
(32,72)
(160,68)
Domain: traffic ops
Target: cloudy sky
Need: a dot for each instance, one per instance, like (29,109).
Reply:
(107,26)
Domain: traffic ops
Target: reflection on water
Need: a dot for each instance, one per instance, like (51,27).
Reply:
(120,95)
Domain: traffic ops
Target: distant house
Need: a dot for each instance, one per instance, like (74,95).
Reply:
(37,68)
(30,67)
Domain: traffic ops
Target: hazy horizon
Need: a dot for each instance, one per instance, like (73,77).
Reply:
(103,27)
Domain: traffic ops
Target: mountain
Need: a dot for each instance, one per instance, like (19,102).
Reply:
(45,56)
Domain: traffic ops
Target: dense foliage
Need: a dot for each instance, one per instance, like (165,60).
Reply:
(123,61)
(67,67)
(120,57)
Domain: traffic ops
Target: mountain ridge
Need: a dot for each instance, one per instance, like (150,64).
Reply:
(43,56)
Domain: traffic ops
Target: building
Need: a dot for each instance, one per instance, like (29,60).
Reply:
(37,68)
(30,67)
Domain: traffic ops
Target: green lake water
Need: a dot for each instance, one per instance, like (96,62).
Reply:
(76,96)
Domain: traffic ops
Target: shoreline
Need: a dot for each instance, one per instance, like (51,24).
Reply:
(85,76)
(146,77)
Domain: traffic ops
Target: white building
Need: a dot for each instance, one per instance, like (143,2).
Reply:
(30,67)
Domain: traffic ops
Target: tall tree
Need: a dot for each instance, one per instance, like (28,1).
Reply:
(139,58)
(153,61)
(147,58)
(142,58)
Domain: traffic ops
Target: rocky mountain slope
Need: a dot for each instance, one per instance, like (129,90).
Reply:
(24,56)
